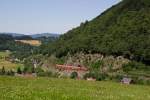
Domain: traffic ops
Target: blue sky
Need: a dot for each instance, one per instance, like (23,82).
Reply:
(54,16)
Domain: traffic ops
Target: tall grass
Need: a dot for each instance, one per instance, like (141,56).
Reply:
(13,88)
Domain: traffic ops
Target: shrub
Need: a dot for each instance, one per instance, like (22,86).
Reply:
(10,73)
(45,74)
(28,69)
(74,75)
(96,65)
(118,77)
(19,70)
(39,69)
(3,72)
(96,75)
(25,69)
(101,76)
(134,66)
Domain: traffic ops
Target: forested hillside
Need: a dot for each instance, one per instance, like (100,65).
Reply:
(124,29)
(19,50)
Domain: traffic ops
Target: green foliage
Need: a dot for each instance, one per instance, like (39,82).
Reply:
(39,70)
(141,81)
(89,75)
(121,30)
(28,69)
(3,72)
(118,77)
(10,73)
(95,65)
(134,66)
(19,50)
(41,73)
(45,74)
(6,72)
(74,75)
(60,61)
(97,75)
(19,71)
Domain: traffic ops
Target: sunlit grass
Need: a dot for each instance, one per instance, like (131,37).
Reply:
(13,88)
(4,54)
(8,65)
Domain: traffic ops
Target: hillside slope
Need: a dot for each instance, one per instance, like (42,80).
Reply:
(124,29)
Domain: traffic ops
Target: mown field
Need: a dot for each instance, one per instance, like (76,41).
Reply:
(13,88)
(31,42)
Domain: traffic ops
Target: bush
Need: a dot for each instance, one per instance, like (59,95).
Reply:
(118,77)
(19,70)
(74,75)
(3,72)
(101,76)
(28,69)
(97,76)
(134,66)
(88,75)
(45,74)
(25,69)
(39,70)
(96,65)
(10,73)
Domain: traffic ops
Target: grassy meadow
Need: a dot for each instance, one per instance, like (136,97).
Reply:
(4,54)
(15,88)
(6,63)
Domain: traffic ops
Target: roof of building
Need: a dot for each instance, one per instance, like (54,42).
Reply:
(69,67)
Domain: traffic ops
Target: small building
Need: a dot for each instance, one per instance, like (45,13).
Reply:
(126,81)
(68,69)
(71,68)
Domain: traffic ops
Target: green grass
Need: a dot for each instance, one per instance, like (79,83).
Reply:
(6,63)
(145,73)
(4,54)
(13,88)
(9,65)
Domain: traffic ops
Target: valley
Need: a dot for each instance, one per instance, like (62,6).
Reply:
(105,58)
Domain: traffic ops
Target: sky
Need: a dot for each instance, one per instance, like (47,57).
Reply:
(52,16)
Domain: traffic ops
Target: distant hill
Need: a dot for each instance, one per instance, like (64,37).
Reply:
(14,34)
(45,35)
(34,35)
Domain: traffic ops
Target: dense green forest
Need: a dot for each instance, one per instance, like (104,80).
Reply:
(124,29)
(19,50)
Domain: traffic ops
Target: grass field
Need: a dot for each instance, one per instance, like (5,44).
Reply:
(4,54)
(7,64)
(13,88)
